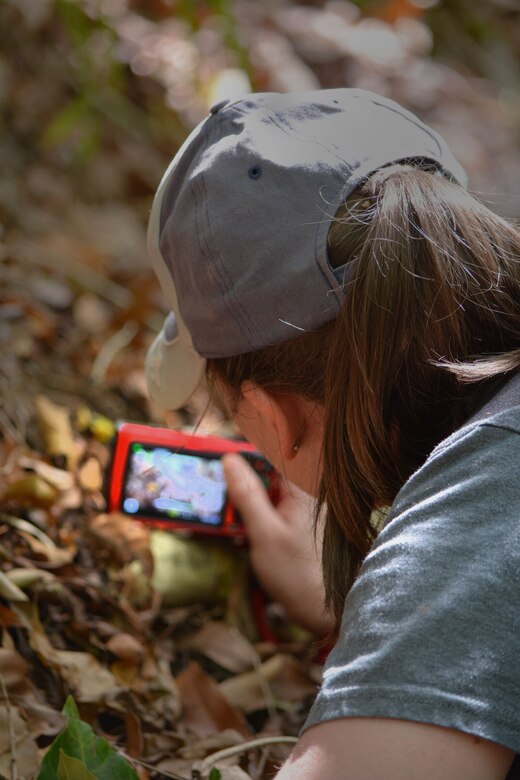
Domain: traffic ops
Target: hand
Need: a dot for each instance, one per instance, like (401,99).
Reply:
(284,555)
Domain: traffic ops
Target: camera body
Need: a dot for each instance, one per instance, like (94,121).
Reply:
(175,481)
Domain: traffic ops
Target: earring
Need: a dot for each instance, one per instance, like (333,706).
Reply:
(296,445)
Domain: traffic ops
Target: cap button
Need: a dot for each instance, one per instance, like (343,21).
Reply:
(216,108)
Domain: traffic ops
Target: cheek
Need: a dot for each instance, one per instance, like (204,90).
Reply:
(252,428)
(258,432)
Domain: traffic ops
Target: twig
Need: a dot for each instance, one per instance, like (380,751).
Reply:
(12,739)
(262,679)
(235,750)
(151,767)
(30,528)
(112,346)
(259,771)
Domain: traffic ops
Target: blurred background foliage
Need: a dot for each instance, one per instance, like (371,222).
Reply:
(83,78)
(97,95)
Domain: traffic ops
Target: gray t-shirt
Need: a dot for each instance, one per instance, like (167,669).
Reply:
(431,627)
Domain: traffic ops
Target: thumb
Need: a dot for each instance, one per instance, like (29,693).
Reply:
(249,496)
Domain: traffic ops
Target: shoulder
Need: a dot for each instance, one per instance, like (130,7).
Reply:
(428,628)
(461,508)
(504,426)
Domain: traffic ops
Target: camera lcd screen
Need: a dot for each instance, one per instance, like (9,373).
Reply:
(174,486)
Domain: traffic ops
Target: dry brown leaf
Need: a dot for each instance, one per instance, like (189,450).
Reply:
(179,766)
(84,675)
(56,428)
(157,746)
(32,490)
(134,735)
(224,645)
(90,681)
(206,711)
(154,699)
(90,475)
(125,672)
(10,591)
(27,758)
(42,720)
(8,618)
(122,537)
(54,556)
(282,674)
(125,647)
(59,478)
(202,747)
(14,672)
(70,499)
(28,576)
(13,668)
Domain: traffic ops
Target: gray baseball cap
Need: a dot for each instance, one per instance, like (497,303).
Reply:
(238,229)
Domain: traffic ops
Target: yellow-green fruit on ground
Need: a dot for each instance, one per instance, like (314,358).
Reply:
(188,569)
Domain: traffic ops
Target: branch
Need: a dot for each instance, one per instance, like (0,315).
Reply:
(12,738)
(235,750)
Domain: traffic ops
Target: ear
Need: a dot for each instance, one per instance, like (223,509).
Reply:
(284,414)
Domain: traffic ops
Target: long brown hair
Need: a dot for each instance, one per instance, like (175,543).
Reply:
(431,307)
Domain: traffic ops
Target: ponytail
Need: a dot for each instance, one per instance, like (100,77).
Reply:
(431,306)
(433,292)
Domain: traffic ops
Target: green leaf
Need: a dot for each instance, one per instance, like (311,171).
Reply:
(70,708)
(73,769)
(94,754)
(215,774)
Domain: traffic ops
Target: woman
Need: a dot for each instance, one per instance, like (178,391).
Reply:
(357,307)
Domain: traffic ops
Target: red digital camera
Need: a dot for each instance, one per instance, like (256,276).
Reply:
(175,481)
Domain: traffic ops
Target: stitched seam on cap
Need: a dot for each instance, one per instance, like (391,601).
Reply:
(418,124)
(271,116)
(292,134)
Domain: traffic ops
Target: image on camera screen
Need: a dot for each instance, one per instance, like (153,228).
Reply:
(172,485)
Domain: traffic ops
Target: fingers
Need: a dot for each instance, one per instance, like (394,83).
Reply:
(249,497)
(282,550)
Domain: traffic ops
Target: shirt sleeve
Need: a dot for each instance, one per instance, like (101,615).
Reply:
(431,627)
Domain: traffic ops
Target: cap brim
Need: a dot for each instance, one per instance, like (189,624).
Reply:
(173,371)
(173,368)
